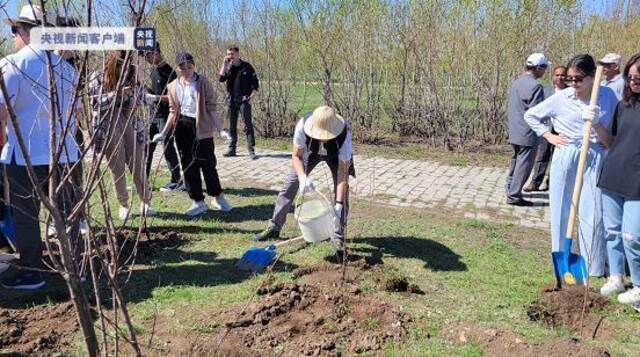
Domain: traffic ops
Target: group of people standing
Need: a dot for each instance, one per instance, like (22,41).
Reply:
(608,212)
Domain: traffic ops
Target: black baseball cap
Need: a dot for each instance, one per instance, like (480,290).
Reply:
(184,57)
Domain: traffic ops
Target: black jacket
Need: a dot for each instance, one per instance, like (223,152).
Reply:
(241,80)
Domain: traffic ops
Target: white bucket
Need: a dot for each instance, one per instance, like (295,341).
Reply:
(316,217)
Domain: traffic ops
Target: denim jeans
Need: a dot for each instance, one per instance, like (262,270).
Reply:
(590,227)
(622,225)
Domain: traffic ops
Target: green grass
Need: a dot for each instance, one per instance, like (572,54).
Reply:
(472,271)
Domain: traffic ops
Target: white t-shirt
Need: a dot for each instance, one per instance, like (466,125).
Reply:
(25,75)
(187,98)
(617,84)
(300,141)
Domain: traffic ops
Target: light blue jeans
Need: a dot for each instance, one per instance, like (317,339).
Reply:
(622,224)
(590,226)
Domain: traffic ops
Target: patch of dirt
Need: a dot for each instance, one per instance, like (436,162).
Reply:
(501,342)
(300,319)
(564,307)
(149,244)
(40,330)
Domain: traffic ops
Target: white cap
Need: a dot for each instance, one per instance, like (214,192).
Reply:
(31,15)
(611,58)
(537,59)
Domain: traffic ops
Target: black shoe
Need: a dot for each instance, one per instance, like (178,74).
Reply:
(520,203)
(252,154)
(24,281)
(230,152)
(267,234)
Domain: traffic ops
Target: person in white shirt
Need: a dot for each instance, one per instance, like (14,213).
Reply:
(611,70)
(26,78)
(568,109)
(319,136)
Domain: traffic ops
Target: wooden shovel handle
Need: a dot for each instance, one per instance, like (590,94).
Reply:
(584,150)
(288,241)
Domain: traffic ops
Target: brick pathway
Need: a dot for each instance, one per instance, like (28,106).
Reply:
(476,191)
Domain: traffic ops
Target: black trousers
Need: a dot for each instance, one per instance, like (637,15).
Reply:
(170,154)
(543,158)
(235,108)
(197,156)
(25,208)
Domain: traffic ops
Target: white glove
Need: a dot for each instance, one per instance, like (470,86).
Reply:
(305,184)
(158,138)
(225,136)
(591,114)
(338,208)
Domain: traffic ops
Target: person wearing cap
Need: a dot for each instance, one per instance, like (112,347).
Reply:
(161,75)
(540,177)
(23,72)
(611,70)
(322,135)
(524,93)
(194,121)
(569,109)
(117,116)
(242,85)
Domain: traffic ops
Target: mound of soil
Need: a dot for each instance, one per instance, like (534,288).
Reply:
(149,244)
(41,330)
(564,307)
(500,342)
(299,319)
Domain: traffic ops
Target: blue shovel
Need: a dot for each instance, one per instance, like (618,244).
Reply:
(571,269)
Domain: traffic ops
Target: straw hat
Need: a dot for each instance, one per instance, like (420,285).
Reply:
(30,15)
(324,124)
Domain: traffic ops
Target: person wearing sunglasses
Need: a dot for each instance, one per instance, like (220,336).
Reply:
(568,110)
(193,116)
(525,92)
(540,177)
(611,70)
(27,79)
(620,184)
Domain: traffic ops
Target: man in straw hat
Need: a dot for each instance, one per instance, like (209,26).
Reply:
(23,72)
(319,136)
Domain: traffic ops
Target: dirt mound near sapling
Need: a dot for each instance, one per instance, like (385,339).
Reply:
(298,319)
(149,244)
(564,307)
(41,330)
(396,285)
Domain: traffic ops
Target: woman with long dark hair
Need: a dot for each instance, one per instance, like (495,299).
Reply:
(124,134)
(568,110)
(620,184)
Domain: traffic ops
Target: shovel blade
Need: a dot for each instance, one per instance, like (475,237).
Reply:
(255,259)
(570,269)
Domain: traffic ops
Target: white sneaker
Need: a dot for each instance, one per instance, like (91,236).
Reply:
(630,297)
(612,287)
(636,306)
(148,211)
(196,209)
(221,203)
(84,227)
(51,230)
(123,213)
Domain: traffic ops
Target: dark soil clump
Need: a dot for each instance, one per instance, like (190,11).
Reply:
(147,244)
(41,330)
(298,319)
(564,307)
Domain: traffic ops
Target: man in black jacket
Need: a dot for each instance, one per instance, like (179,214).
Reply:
(161,75)
(242,85)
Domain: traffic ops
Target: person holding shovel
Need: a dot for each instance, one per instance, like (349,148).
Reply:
(620,184)
(193,120)
(322,135)
(568,110)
